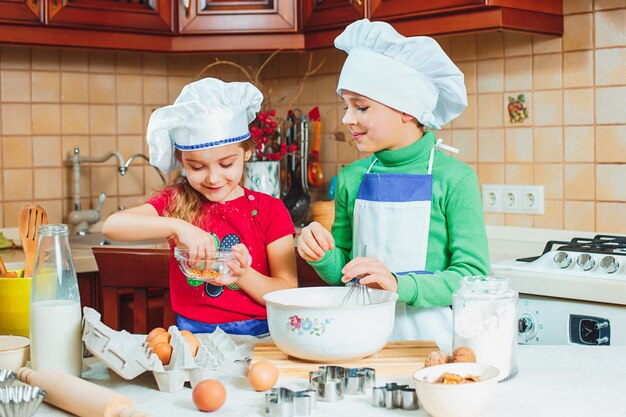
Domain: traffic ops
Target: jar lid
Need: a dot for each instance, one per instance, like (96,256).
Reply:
(487,286)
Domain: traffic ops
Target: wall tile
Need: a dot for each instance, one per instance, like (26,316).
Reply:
(466,142)
(610,182)
(16,119)
(100,146)
(129,119)
(102,180)
(346,152)
(518,145)
(551,177)
(129,89)
(102,62)
(46,119)
(496,219)
(467,119)
(528,104)
(547,108)
(579,215)
(131,183)
(578,107)
(518,73)
(489,45)
(516,44)
(469,71)
(175,86)
(46,59)
(102,119)
(579,144)
(490,110)
(577,6)
(155,64)
(491,145)
(155,90)
(610,66)
(74,88)
(518,220)
(128,63)
(611,143)
(16,86)
(14,57)
(18,184)
(490,75)
(46,86)
(610,106)
(17,152)
(543,44)
(48,183)
(101,88)
(579,182)
(611,217)
(47,151)
(518,174)
(326,85)
(179,65)
(578,69)
(552,217)
(610,28)
(129,145)
(548,144)
(547,72)
(463,48)
(74,119)
(491,173)
(608,4)
(577,33)
(74,60)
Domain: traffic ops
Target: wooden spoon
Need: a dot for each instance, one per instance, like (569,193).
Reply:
(31,217)
(4,273)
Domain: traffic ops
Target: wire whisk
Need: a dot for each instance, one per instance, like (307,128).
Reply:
(357,294)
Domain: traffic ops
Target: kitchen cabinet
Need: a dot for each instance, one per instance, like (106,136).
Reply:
(153,16)
(323,20)
(233,16)
(21,11)
(89,287)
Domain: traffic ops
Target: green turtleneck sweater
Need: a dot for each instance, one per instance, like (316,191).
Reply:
(457,241)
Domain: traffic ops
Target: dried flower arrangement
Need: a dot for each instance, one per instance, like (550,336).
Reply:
(267,128)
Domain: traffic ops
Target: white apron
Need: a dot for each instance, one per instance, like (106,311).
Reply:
(392,220)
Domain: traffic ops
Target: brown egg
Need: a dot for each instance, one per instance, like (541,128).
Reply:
(191,340)
(161,337)
(208,395)
(156,331)
(164,351)
(263,375)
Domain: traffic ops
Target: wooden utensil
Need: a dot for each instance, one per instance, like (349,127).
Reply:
(315,174)
(4,273)
(31,217)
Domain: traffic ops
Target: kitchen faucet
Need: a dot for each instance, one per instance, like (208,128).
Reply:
(142,156)
(83,218)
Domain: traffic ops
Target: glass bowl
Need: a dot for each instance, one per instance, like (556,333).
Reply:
(206,269)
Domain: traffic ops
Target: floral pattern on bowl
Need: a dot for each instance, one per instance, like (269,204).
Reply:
(305,325)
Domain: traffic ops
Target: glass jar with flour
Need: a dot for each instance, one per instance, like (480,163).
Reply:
(485,319)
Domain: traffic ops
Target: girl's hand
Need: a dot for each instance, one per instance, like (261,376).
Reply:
(240,266)
(195,239)
(314,241)
(375,273)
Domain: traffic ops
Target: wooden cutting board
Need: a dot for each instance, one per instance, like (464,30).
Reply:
(400,358)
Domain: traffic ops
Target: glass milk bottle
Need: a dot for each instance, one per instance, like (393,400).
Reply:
(485,319)
(55,314)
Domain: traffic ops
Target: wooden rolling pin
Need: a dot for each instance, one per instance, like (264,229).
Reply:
(78,396)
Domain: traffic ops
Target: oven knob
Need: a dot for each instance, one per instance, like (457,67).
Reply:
(585,262)
(609,264)
(525,324)
(562,259)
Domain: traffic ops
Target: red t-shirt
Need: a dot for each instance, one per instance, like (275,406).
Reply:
(256,220)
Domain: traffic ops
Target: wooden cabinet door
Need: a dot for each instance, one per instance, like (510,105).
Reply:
(323,14)
(21,11)
(236,16)
(153,16)
(382,9)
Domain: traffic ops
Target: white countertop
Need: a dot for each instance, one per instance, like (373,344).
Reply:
(553,381)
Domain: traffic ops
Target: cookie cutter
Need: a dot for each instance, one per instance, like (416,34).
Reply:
(331,383)
(393,396)
(7,377)
(283,402)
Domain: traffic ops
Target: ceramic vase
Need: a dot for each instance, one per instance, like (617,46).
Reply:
(263,176)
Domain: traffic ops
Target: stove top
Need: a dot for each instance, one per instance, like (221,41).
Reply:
(599,244)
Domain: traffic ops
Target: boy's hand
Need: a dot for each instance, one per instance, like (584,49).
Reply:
(195,239)
(240,266)
(314,241)
(375,273)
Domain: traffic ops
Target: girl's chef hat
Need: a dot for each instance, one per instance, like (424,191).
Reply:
(207,113)
(412,75)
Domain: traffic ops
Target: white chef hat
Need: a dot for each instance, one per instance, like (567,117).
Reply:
(207,113)
(412,75)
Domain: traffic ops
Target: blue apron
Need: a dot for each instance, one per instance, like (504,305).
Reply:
(256,328)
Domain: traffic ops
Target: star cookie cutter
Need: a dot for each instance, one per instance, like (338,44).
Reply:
(283,402)
(393,395)
(331,383)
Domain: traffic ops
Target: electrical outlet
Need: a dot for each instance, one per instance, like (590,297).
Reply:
(492,198)
(511,199)
(532,199)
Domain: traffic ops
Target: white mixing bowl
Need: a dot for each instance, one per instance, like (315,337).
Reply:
(310,323)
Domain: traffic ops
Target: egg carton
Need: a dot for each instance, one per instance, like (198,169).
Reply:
(129,356)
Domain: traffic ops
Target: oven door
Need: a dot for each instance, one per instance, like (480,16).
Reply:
(558,321)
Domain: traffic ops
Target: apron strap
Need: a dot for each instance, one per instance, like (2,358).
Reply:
(439,144)
(371,165)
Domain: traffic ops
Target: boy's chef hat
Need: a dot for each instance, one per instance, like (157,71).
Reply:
(412,75)
(207,113)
